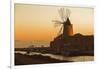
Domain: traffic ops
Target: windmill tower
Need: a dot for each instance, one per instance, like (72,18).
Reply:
(66,26)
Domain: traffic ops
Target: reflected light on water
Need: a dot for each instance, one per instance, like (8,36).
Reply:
(60,57)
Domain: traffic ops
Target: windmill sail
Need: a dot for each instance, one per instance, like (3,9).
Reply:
(60,30)
(65,23)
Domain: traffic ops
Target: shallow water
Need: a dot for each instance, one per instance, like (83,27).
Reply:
(60,57)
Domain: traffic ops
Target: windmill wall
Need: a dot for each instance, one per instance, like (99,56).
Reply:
(68,30)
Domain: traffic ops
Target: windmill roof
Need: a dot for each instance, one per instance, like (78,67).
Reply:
(68,22)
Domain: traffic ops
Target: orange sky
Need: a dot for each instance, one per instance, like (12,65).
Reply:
(34,22)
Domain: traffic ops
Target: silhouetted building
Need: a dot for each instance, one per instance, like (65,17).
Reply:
(67,43)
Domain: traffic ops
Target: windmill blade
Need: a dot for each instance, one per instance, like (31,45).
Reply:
(60,30)
(57,23)
(61,14)
(67,13)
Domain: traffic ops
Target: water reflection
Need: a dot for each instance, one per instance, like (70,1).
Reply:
(60,57)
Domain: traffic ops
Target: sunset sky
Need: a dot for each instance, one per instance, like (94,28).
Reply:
(34,22)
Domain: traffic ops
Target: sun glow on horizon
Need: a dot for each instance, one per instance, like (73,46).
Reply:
(34,22)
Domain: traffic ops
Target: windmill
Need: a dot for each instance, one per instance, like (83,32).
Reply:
(65,24)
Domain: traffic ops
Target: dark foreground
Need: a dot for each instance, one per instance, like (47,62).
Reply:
(21,59)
